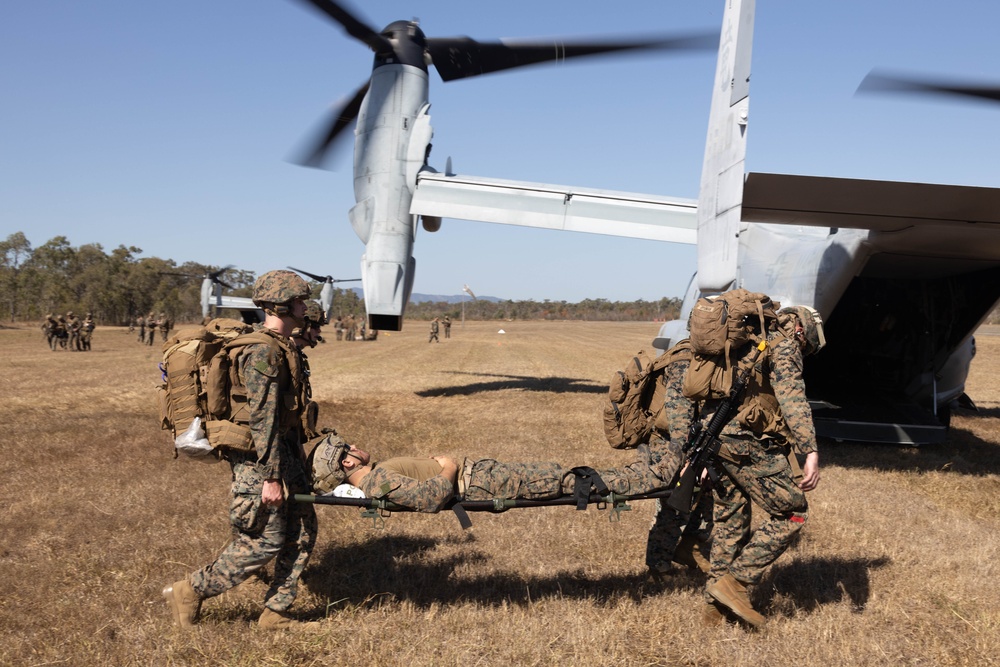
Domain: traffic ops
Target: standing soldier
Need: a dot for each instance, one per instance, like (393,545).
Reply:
(754,462)
(672,538)
(338,328)
(49,330)
(165,325)
(141,321)
(151,324)
(73,329)
(447,327)
(434,331)
(265,526)
(305,336)
(59,334)
(86,329)
(349,328)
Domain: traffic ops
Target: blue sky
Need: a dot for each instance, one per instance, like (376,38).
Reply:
(167,126)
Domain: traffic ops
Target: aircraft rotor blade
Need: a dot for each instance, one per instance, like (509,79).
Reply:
(353,25)
(338,121)
(317,278)
(214,276)
(324,279)
(885,83)
(461,57)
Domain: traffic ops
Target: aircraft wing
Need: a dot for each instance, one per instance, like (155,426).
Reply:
(234,302)
(556,207)
(949,220)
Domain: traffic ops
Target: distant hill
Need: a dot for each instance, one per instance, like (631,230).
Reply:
(454,298)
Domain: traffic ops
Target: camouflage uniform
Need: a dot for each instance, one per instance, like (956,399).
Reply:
(49,329)
(59,335)
(756,468)
(416,483)
(73,328)
(285,533)
(434,331)
(165,326)
(86,331)
(668,524)
(141,321)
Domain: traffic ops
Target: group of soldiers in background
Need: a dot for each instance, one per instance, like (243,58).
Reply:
(436,326)
(68,332)
(147,327)
(353,328)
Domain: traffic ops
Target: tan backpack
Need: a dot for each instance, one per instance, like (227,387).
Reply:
(743,317)
(718,326)
(186,392)
(636,395)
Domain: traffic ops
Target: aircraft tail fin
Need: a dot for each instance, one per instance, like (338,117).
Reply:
(720,198)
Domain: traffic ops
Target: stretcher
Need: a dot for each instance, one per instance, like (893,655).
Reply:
(380,508)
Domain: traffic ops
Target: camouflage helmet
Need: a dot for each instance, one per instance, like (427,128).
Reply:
(279,287)
(325,458)
(312,319)
(812,327)
(314,313)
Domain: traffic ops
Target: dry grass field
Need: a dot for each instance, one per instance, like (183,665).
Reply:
(898,564)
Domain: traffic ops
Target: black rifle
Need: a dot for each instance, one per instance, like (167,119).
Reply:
(703,443)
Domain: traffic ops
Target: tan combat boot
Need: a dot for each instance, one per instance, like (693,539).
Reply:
(732,594)
(184,603)
(279,620)
(689,555)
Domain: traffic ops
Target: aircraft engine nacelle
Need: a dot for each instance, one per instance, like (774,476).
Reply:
(387,284)
(431,223)
(207,296)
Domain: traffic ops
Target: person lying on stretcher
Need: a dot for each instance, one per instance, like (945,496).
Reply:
(427,484)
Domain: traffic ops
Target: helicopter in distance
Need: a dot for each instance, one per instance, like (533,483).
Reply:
(213,300)
(902,273)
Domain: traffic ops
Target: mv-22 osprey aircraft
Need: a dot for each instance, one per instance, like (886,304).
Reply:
(213,300)
(902,273)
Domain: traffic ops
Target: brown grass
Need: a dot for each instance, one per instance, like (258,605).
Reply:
(896,565)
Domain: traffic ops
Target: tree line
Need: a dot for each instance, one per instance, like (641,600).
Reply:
(119,286)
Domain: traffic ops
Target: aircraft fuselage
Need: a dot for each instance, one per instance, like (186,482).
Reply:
(391,145)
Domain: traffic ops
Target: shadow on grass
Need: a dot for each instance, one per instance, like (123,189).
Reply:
(399,568)
(556,385)
(804,585)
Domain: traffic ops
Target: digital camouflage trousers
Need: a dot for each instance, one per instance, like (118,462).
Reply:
(285,534)
(763,477)
(486,479)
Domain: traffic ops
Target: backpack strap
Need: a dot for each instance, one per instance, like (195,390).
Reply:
(587,477)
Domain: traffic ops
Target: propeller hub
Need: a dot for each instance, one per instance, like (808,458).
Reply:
(408,45)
